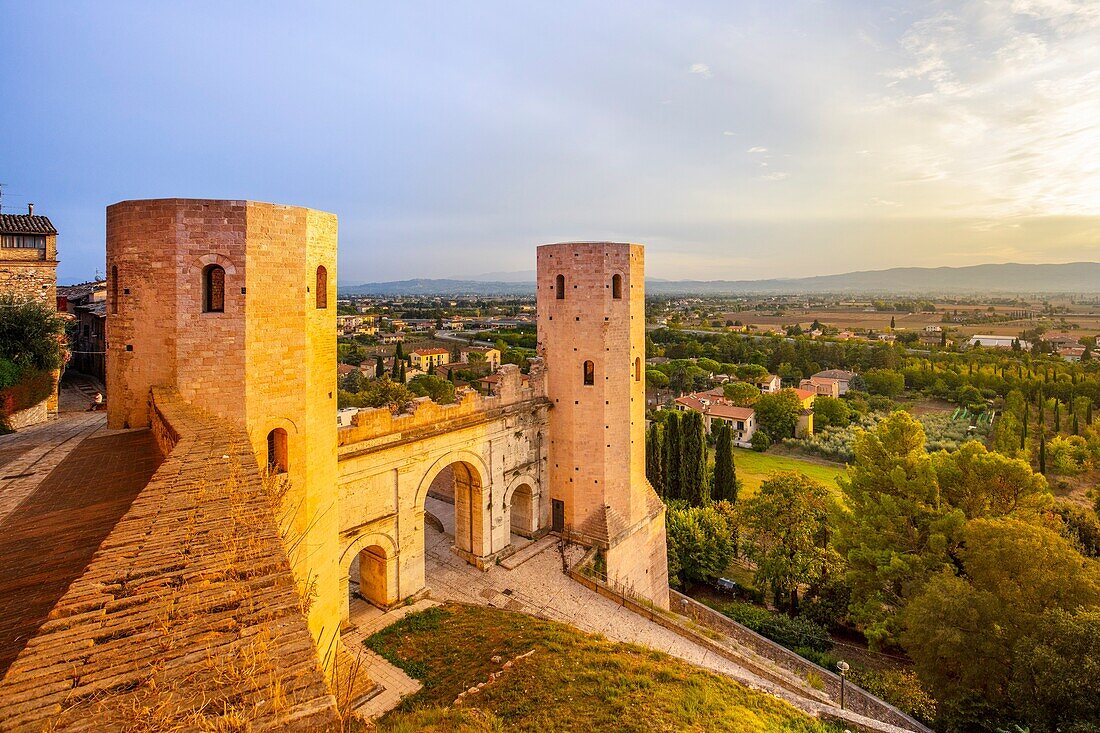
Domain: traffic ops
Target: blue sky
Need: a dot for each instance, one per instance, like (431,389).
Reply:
(737,140)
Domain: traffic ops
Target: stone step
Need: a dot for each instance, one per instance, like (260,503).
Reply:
(528,551)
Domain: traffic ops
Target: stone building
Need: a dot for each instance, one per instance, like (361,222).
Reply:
(232,303)
(28,256)
(591,336)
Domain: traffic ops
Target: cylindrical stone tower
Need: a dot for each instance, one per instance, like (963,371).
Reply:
(591,334)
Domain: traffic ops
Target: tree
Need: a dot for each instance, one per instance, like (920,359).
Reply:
(751,372)
(964,630)
(429,385)
(781,526)
(896,532)
(654,458)
(1043,453)
(672,456)
(831,411)
(741,394)
(656,379)
(32,336)
(379,367)
(983,483)
(724,485)
(760,441)
(693,459)
(700,544)
(352,382)
(892,323)
(377,393)
(777,413)
(1056,675)
(885,382)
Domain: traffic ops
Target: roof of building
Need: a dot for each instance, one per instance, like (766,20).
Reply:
(80,290)
(717,408)
(841,374)
(344,369)
(804,393)
(25,224)
(430,352)
(480,349)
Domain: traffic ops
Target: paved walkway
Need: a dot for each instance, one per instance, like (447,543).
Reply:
(393,683)
(539,587)
(63,487)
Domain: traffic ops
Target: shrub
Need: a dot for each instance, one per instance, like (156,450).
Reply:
(760,441)
(792,633)
(900,688)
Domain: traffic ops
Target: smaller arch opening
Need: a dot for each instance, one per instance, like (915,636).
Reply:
(213,289)
(560,287)
(277,451)
(637,369)
(114,289)
(617,287)
(322,287)
(589,373)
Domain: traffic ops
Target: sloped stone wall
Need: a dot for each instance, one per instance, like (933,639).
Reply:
(188,616)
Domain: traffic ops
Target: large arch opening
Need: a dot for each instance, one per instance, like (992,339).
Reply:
(455,498)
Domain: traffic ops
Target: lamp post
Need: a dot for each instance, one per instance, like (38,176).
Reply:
(843,667)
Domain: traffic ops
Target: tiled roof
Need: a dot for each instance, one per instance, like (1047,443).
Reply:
(80,290)
(430,352)
(25,224)
(836,374)
(804,393)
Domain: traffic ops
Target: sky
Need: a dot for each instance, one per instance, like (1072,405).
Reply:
(737,140)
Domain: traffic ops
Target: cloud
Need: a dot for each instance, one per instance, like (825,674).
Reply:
(756,149)
(883,202)
(701,69)
(777,176)
(728,133)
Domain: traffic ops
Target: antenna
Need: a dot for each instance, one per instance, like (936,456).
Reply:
(2,196)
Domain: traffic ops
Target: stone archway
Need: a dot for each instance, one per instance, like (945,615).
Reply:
(459,478)
(521,504)
(371,570)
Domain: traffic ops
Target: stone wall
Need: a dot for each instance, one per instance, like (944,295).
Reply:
(32,278)
(188,616)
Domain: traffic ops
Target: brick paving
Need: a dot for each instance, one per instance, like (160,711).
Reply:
(48,538)
(392,683)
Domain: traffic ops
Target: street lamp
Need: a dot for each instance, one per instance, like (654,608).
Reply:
(843,667)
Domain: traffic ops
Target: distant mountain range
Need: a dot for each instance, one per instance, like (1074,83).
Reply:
(1070,277)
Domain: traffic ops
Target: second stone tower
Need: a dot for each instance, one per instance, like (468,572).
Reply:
(591,335)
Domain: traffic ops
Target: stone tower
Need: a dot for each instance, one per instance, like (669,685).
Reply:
(233,303)
(591,334)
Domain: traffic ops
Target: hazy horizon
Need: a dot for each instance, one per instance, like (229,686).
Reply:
(738,142)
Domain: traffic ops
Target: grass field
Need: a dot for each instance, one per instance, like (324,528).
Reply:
(570,682)
(754,468)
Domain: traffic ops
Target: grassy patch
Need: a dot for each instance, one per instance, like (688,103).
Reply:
(572,681)
(754,468)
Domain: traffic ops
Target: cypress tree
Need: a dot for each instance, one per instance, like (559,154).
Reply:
(671,452)
(1057,416)
(401,373)
(1088,415)
(724,486)
(399,352)
(379,367)
(1043,454)
(1023,431)
(693,450)
(1076,428)
(653,459)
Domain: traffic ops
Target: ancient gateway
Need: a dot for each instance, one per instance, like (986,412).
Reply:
(232,304)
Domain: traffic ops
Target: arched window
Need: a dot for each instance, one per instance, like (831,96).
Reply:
(322,287)
(276,451)
(589,373)
(114,289)
(213,289)
(561,287)
(617,287)
(637,369)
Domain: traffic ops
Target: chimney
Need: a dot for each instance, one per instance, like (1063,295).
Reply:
(30,209)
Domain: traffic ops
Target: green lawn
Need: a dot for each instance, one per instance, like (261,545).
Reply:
(570,682)
(754,468)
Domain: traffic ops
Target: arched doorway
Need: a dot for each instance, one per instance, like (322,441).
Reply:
(521,506)
(372,575)
(372,572)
